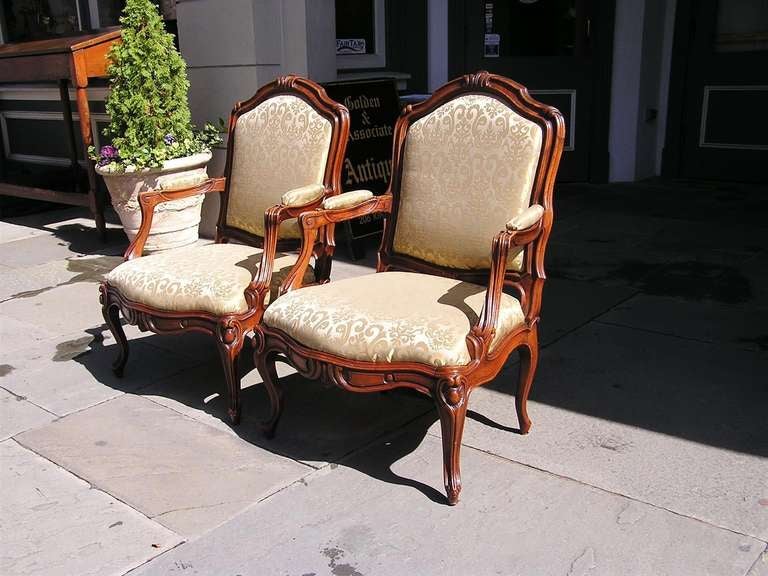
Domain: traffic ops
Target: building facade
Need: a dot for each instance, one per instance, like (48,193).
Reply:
(648,87)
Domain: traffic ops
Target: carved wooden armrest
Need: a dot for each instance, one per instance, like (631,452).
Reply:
(344,207)
(520,231)
(335,209)
(151,198)
(292,204)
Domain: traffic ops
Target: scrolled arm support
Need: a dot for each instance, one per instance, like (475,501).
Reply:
(311,223)
(502,242)
(257,290)
(150,199)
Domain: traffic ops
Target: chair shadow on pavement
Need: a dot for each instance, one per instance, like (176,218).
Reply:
(371,433)
(711,395)
(82,239)
(321,424)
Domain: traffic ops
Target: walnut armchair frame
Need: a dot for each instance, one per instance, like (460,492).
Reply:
(230,330)
(449,386)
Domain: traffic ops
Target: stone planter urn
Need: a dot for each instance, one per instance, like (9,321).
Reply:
(175,223)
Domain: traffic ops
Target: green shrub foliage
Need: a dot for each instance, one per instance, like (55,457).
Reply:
(150,120)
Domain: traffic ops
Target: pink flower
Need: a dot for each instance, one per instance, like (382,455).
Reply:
(108,152)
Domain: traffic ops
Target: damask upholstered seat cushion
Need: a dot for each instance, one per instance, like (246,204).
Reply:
(210,278)
(390,317)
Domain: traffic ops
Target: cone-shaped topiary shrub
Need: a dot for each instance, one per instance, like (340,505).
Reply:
(150,120)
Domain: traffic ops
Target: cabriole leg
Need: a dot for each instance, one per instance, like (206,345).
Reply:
(529,359)
(229,352)
(111,313)
(265,364)
(451,400)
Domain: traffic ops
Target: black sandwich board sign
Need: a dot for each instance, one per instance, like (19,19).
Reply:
(373,107)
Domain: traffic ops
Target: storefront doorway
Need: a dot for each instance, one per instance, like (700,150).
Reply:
(718,129)
(560,50)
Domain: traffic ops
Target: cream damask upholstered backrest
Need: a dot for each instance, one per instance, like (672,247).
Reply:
(468,168)
(280,145)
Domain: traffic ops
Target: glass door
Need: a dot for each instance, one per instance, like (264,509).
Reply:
(548,46)
(725,127)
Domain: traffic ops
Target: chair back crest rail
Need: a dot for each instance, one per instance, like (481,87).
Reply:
(528,280)
(320,103)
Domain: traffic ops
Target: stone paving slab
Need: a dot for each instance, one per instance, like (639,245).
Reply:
(48,219)
(673,422)
(755,272)
(18,335)
(760,568)
(199,393)
(681,272)
(53,523)
(59,311)
(320,423)
(49,247)
(17,414)
(196,347)
(10,232)
(71,372)
(512,520)
(33,280)
(26,282)
(698,237)
(696,276)
(710,321)
(80,227)
(603,264)
(186,475)
(560,313)
(621,228)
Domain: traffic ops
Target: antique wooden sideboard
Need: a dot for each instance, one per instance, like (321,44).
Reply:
(66,60)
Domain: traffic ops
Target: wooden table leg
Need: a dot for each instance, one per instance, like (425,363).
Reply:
(96,203)
(70,129)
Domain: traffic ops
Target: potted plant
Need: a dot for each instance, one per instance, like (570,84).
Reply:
(153,141)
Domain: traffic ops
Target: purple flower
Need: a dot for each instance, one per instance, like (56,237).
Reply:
(108,152)
(169,139)
(103,162)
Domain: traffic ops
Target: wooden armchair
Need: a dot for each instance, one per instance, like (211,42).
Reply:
(284,154)
(468,213)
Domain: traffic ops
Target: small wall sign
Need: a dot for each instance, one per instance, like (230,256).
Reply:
(491,45)
(350,45)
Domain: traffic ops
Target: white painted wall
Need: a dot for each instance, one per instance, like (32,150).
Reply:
(642,54)
(650,80)
(321,40)
(232,48)
(437,30)
(625,89)
(665,74)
